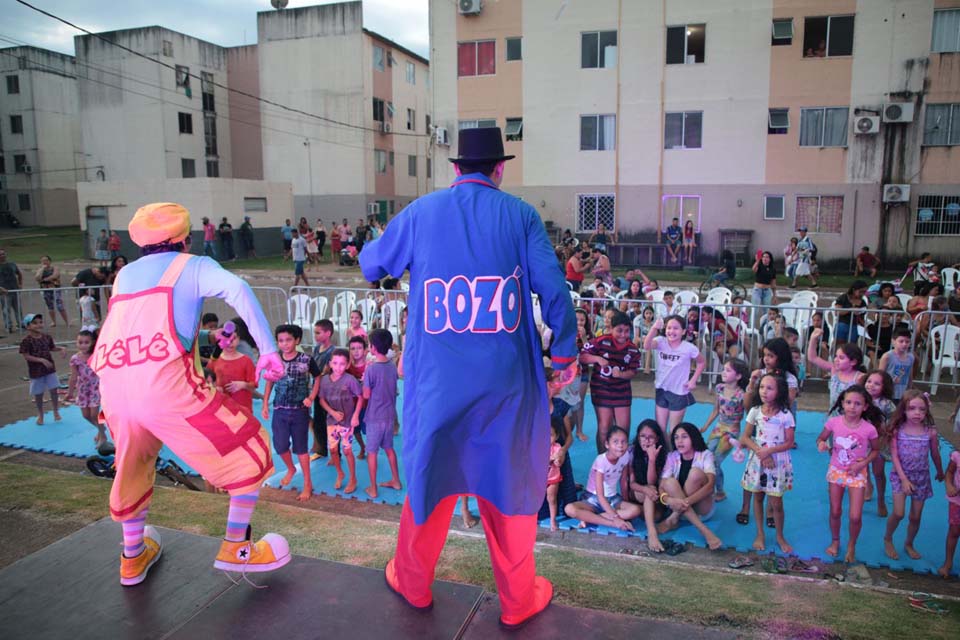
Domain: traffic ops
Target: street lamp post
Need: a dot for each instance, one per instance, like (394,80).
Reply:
(306,143)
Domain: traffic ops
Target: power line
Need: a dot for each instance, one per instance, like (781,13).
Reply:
(226,88)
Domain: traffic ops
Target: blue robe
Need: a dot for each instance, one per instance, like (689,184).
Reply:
(476,418)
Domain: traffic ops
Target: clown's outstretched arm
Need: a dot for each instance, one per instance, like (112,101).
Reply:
(213,281)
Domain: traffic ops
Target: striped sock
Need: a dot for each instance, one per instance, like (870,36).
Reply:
(133,535)
(238,518)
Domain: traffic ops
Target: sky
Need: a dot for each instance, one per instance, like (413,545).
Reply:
(223,22)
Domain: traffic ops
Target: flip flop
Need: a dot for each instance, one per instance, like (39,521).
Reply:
(743,518)
(796,565)
(774,564)
(929,606)
(672,548)
(740,562)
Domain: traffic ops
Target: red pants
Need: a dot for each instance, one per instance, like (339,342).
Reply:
(510,540)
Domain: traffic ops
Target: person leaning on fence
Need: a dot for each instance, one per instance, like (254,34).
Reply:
(11,279)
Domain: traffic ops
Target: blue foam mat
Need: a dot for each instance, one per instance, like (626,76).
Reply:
(806,506)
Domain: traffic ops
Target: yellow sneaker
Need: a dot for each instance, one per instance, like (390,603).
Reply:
(269,553)
(134,570)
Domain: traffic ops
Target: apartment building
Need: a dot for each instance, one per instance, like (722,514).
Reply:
(40,158)
(364,150)
(753,117)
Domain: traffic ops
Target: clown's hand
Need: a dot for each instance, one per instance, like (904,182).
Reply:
(271,366)
(562,378)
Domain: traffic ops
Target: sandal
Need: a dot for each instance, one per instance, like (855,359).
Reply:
(774,564)
(672,548)
(740,562)
(743,518)
(796,565)
(928,606)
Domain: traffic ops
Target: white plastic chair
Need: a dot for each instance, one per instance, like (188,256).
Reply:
(404,285)
(343,303)
(299,307)
(718,295)
(687,298)
(803,297)
(320,304)
(368,309)
(575,297)
(830,321)
(391,318)
(655,296)
(944,350)
(904,299)
(950,278)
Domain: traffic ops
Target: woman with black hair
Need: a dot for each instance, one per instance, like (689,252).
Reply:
(649,458)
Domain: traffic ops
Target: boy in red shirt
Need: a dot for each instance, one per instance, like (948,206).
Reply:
(36,349)
(356,367)
(235,374)
(867,263)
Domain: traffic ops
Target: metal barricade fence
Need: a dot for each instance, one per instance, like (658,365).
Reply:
(379,309)
(17,303)
(273,301)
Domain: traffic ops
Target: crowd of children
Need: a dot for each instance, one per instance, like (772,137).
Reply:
(667,473)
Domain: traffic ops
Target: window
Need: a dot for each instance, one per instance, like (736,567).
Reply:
(938,216)
(3,165)
(183,76)
(210,134)
(19,163)
(598,132)
(594,209)
(477,124)
(213,168)
(946,31)
(941,126)
(188,168)
(683,208)
(208,102)
(826,127)
(778,121)
(13,84)
(411,73)
(683,130)
(514,130)
(186,122)
(782,32)
(411,120)
(820,214)
(686,44)
(255,205)
(4,202)
(514,49)
(477,58)
(378,110)
(391,158)
(380,161)
(427,122)
(23,200)
(828,36)
(206,88)
(168,48)
(598,49)
(412,166)
(378,58)
(429,168)
(16,124)
(773,207)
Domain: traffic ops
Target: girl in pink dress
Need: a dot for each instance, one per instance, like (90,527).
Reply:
(84,384)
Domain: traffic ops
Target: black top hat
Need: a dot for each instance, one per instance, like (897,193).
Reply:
(480,145)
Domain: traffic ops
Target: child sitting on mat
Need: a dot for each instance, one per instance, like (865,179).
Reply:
(84,386)
(602,503)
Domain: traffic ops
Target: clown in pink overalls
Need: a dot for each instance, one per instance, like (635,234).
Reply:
(153,393)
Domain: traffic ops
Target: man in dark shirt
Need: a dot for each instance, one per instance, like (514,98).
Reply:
(93,278)
(226,239)
(674,236)
(11,279)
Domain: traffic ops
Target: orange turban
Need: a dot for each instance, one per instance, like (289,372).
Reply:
(159,222)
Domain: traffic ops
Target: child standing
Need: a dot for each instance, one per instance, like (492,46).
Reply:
(341,397)
(674,356)
(729,409)
(642,325)
(913,441)
(898,362)
(953,517)
(291,405)
(602,502)
(322,334)
(84,384)
(380,398)
(855,445)
(584,333)
(769,470)
(554,477)
(298,247)
(36,348)
(879,385)
(88,311)
(356,325)
(845,371)
(616,361)
(235,373)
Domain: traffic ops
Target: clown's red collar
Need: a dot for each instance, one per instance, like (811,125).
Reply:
(477,178)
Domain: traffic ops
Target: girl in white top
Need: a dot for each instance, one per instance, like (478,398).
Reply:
(88,314)
(602,503)
(673,381)
(687,482)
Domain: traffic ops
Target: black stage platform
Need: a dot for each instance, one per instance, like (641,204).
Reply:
(71,589)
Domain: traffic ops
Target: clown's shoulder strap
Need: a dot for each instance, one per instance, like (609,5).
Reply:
(174,269)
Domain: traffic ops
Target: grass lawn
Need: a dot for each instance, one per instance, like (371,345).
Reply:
(26,244)
(750,604)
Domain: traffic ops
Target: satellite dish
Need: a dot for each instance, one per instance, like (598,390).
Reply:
(279,4)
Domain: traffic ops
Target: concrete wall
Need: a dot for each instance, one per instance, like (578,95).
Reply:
(47,104)
(129,105)
(243,74)
(213,198)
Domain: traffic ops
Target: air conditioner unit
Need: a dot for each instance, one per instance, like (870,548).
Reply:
(373,209)
(386,127)
(866,125)
(898,112)
(470,7)
(896,193)
(443,138)
(26,169)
